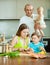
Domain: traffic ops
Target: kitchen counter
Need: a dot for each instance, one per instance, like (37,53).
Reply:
(46,41)
(24,60)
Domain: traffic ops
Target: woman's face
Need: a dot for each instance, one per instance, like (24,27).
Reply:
(24,33)
(35,39)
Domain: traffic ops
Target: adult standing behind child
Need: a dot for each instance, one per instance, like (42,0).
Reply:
(40,21)
(29,18)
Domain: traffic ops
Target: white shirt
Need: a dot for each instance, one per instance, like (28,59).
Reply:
(29,22)
(42,22)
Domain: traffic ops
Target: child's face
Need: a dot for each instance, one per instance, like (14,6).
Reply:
(40,10)
(35,39)
(24,33)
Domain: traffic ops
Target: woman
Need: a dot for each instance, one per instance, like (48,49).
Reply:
(21,40)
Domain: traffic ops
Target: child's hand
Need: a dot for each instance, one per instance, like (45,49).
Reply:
(41,48)
(21,49)
(29,51)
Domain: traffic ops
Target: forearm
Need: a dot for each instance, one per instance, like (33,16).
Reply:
(42,49)
(42,26)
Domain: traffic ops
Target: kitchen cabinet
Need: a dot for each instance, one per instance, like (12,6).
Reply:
(47,43)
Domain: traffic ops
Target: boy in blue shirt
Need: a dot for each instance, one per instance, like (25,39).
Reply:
(37,47)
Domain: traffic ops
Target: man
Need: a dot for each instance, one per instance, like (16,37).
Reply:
(29,18)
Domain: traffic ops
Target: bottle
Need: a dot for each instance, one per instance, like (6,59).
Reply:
(7,48)
(10,48)
(3,37)
(3,48)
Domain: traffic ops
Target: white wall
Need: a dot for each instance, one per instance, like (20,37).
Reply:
(15,8)
(8,9)
(47,30)
(35,3)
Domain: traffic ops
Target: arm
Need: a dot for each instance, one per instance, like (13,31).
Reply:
(29,50)
(13,42)
(42,22)
(42,26)
(36,26)
(41,48)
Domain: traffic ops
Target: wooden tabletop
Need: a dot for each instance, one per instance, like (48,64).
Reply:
(24,60)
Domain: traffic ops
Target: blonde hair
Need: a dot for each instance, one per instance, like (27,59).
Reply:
(40,8)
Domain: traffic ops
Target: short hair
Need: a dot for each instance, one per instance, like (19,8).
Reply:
(22,27)
(27,5)
(35,34)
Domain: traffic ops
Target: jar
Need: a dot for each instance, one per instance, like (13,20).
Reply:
(7,48)
(2,48)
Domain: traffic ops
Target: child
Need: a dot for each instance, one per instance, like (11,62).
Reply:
(21,40)
(40,21)
(37,47)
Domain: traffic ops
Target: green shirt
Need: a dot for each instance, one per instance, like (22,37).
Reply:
(20,44)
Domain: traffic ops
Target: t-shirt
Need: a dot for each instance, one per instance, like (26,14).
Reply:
(29,22)
(36,47)
(20,44)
